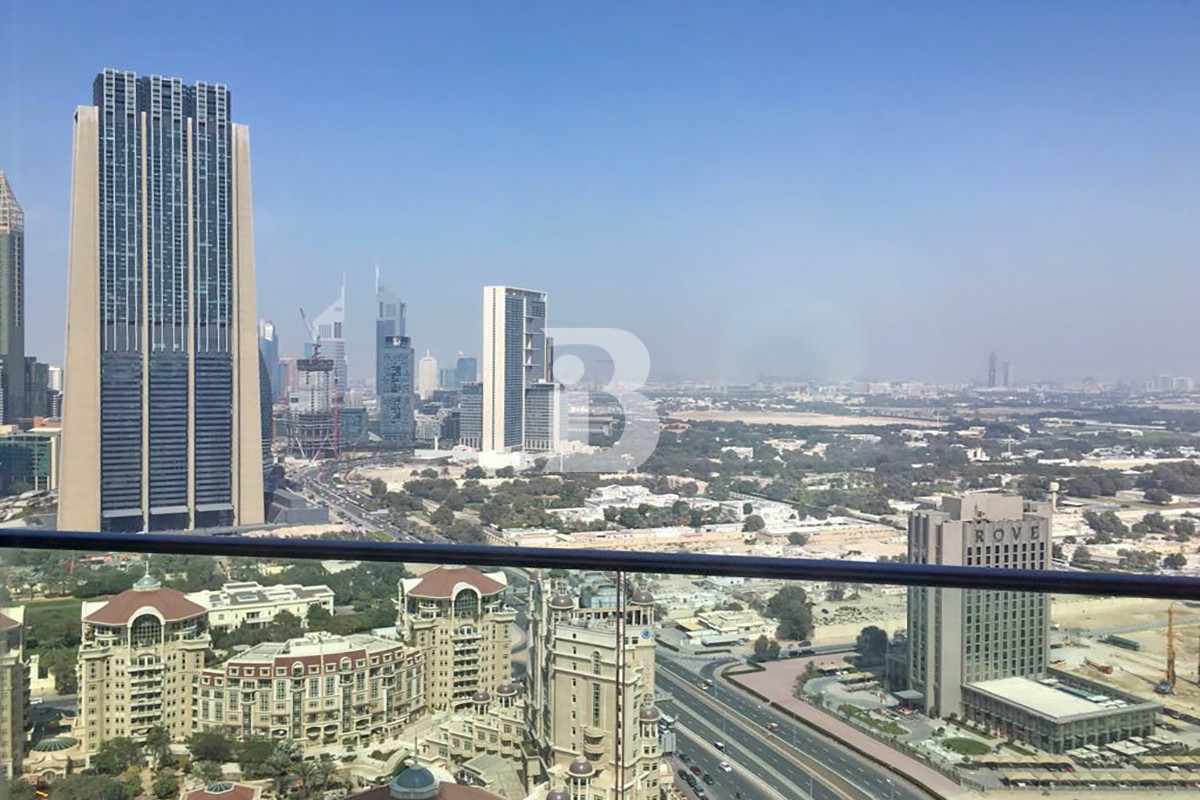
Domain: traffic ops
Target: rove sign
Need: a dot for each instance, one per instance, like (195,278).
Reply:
(999,532)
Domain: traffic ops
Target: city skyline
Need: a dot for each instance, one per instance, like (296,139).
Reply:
(846,221)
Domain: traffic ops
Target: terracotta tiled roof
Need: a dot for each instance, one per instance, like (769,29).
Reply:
(121,609)
(448,791)
(439,582)
(237,791)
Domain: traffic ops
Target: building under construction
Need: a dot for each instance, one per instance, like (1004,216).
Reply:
(312,409)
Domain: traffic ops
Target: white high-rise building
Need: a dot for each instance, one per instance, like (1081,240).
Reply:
(427,375)
(328,328)
(516,355)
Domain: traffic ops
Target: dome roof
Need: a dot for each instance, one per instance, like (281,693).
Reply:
(55,744)
(642,598)
(649,714)
(581,768)
(147,583)
(562,601)
(506,688)
(480,697)
(558,794)
(414,783)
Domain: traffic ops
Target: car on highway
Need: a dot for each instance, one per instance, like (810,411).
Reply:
(682,774)
(724,765)
(719,745)
(685,758)
(773,727)
(696,769)
(708,779)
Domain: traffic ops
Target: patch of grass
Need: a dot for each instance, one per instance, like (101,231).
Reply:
(867,718)
(965,747)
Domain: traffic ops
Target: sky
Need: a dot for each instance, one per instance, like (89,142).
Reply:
(831,190)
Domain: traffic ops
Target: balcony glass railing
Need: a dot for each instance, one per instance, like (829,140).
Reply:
(640,676)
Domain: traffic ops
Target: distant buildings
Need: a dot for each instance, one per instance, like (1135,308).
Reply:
(427,376)
(394,369)
(470,420)
(581,673)
(29,459)
(139,655)
(466,370)
(268,345)
(14,690)
(316,690)
(516,362)
(311,405)
(458,617)
(162,357)
(253,605)
(327,329)
(12,305)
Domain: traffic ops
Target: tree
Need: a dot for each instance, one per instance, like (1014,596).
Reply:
(281,764)
(207,746)
(790,607)
(1184,529)
(166,785)
(872,644)
(158,744)
(798,539)
(16,789)
(773,650)
(753,523)
(689,489)
(90,787)
(747,508)
(318,618)
(475,473)
(762,648)
(442,516)
(1175,561)
(114,756)
(379,488)
(209,772)
(325,769)
(1160,497)
(1081,556)
(506,472)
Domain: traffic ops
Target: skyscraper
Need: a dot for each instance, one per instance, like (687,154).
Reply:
(1004,374)
(427,375)
(268,345)
(393,369)
(514,358)
(161,421)
(466,370)
(992,370)
(12,305)
(956,636)
(328,328)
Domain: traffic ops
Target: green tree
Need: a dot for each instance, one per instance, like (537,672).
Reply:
(872,644)
(762,646)
(114,756)
(790,607)
(773,650)
(442,516)
(1160,497)
(166,785)
(16,789)
(253,752)
(797,538)
(281,765)
(1184,529)
(747,508)
(209,772)
(325,769)
(506,472)
(90,787)
(379,488)
(209,746)
(158,745)
(1081,556)
(753,523)
(475,473)
(1175,561)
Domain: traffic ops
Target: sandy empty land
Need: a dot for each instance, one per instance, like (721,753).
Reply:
(798,418)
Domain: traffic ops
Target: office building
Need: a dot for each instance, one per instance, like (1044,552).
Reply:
(12,305)
(56,381)
(515,356)
(466,370)
(580,674)
(162,378)
(327,330)
(14,690)
(254,605)
(394,369)
(545,417)
(427,376)
(991,380)
(316,690)
(139,655)
(311,406)
(37,388)
(458,618)
(958,637)
(28,459)
(268,346)
(470,421)
(447,376)
(352,426)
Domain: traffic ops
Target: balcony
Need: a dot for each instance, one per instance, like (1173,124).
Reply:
(713,692)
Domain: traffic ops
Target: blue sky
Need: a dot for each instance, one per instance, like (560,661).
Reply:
(837,189)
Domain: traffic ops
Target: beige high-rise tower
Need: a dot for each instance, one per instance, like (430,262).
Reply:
(161,416)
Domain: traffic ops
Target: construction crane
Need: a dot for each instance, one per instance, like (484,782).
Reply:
(1167,684)
(314,335)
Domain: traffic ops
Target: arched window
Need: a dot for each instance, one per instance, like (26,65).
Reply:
(146,631)
(596,662)
(466,604)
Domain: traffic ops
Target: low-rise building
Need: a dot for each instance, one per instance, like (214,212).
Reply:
(252,604)
(314,690)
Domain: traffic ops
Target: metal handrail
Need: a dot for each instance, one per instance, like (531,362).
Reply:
(1167,587)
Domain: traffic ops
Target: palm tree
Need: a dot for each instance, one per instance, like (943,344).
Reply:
(306,774)
(158,742)
(326,769)
(209,772)
(281,763)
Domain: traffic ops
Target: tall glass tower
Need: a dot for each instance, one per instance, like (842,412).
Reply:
(515,356)
(393,369)
(12,305)
(161,419)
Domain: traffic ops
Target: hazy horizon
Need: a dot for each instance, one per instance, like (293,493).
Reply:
(860,189)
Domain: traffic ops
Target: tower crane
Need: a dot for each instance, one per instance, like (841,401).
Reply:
(1167,684)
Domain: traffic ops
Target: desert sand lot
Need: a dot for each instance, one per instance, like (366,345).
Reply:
(798,418)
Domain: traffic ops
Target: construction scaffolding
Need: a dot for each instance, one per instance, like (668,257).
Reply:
(312,410)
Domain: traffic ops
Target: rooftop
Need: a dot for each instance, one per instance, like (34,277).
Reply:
(441,583)
(1056,701)
(170,604)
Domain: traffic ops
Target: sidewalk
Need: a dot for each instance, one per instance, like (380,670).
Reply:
(775,683)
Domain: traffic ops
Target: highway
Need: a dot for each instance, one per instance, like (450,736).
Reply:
(725,785)
(830,764)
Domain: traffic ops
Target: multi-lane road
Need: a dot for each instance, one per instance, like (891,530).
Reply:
(796,760)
